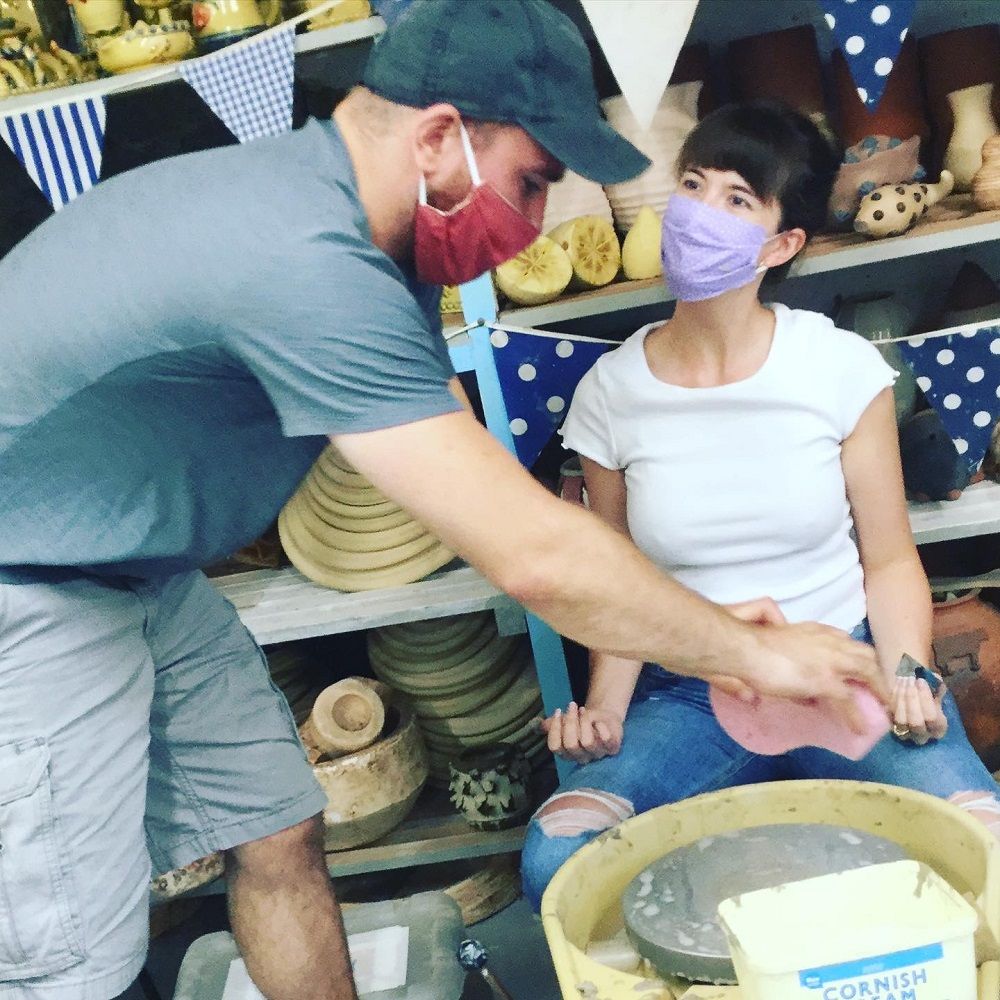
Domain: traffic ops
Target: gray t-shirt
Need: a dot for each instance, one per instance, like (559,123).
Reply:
(176,344)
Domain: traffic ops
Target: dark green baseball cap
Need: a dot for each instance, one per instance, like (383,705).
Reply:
(520,62)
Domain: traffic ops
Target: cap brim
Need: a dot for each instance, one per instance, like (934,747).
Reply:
(593,150)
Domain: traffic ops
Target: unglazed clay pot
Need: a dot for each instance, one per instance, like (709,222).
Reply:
(783,66)
(967,653)
(489,787)
(371,792)
(899,114)
(347,716)
(986,183)
(955,60)
(974,124)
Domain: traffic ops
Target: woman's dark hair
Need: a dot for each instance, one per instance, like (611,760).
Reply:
(779,152)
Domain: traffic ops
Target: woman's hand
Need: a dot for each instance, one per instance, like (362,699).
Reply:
(917,714)
(584,734)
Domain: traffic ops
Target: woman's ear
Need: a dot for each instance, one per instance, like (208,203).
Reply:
(784,246)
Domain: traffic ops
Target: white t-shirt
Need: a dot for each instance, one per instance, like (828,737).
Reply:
(737,490)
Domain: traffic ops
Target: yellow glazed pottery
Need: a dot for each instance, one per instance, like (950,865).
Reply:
(99,17)
(218,23)
(143,46)
(340,13)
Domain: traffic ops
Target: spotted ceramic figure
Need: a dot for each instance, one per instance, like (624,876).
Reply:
(892,209)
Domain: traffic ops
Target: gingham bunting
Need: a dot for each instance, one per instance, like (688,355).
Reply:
(249,86)
(60,146)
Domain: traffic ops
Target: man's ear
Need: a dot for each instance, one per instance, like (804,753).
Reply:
(784,247)
(437,142)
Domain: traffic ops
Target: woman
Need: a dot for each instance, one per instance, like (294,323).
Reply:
(748,450)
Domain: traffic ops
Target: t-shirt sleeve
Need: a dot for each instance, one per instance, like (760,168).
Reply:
(587,428)
(864,373)
(342,346)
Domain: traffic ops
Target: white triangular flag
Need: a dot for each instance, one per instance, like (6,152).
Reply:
(641,40)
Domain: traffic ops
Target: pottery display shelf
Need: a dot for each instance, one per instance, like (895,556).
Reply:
(308,41)
(954,222)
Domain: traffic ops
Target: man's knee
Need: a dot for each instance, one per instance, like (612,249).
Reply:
(585,810)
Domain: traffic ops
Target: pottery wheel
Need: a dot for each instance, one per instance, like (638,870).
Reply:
(670,907)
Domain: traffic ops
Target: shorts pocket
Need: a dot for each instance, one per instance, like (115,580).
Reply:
(39,924)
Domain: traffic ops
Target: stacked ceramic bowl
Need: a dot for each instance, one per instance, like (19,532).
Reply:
(341,532)
(676,116)
(469,686)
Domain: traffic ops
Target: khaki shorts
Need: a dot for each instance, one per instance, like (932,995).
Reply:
(139,729)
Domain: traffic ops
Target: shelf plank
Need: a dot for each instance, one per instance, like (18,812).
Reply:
(307,41)
(976,512)
(953,222)
(281,605)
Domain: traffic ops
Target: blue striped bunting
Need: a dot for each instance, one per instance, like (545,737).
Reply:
(60,146)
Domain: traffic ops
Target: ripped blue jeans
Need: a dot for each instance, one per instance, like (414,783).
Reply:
(673,748)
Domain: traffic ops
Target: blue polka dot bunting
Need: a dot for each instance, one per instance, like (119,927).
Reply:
(960,376)
(870,34)
(538,374)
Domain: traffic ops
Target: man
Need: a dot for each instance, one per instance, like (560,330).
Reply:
(177,348)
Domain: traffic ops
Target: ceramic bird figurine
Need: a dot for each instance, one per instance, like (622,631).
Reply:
(986,182)
(892,209)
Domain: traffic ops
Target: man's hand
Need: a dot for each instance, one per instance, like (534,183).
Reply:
(917,714)
(583,734)
(761,611)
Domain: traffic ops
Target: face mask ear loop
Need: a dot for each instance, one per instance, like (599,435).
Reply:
(470,158)
(422,191)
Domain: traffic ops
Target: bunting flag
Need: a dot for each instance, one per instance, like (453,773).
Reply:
(641,40)
(960,376)
(870,34)
(60,146)
(538,374)
(250,84)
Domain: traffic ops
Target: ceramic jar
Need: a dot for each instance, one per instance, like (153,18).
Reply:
(967,653)
(99,18)
(781,65)
(986,183)
(955,60)
(900,113)
(218,23)
(973,125)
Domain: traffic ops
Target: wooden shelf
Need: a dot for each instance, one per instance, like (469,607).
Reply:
(307,41)
(281,605)
(976,512)
(952,223)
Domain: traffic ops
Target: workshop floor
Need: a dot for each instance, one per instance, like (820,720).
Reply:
(518,953)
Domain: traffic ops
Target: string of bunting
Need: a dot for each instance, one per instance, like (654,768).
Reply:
(249,85)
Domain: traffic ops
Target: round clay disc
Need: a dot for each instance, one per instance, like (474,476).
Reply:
(359,496)
(357,541)
(436,631)
(425,654)
(393,576)
(352,511)
(445,667)
(671,907)
(322,506)
(335,467)
(437,706)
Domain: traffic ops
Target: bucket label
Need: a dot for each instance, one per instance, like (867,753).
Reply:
(900,975)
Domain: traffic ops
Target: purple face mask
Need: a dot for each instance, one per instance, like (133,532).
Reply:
(706,251)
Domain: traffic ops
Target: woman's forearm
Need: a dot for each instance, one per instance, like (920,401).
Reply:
(899,611)
(612,682)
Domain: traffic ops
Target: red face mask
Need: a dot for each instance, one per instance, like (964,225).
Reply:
(482,231)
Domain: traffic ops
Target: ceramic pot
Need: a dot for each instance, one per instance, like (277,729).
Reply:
(974,123)
(950,61)
(346,10)
(881,318)
(900,113)
(986,183)
(182,880)
(490,787)
(218,23)
(143,46)
(97,19)
(676,116)
(783,66)
(967,653)
(347,716)
(372,791)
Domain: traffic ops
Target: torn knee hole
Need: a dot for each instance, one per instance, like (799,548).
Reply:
(585,810)
(983,805)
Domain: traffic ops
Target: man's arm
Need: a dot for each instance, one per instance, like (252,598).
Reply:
(582,577)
